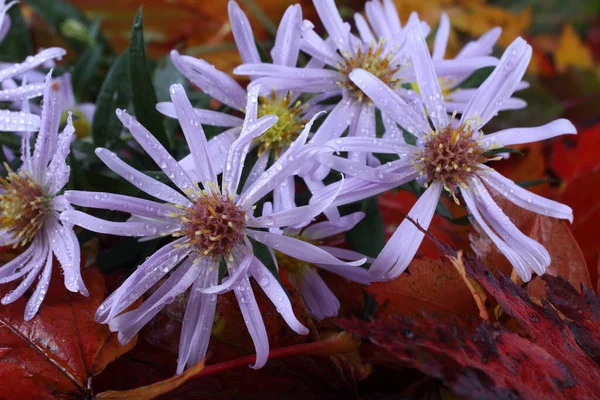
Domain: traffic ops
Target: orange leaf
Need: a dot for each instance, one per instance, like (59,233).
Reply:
(571,51)
(61,348)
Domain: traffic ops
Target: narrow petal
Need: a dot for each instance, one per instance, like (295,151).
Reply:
(257,169)
(429,85)
(333,23)
(371,145)
(441,38)
(287,41)
(319,299)
(45,143)
(320,85)
(205,117)
(272,288)
(514,136)
(18,121)
(119,202)
(32,62)
(363,29)
(281,71)
(34,270)
(141,280)
(335,122)
(242,33)
(482,46)
(319,49)
(524,198)
(358,169)
(392,16)
(499,86)
(298,249)
(159,154)
(194,135)
(65,246)
(197,320)
(20,261)
(129,228)
(284,195)
(325,229)
(378,19)
(254,321)
(404,243)
(215,83)
(362,126)
(130,323)
(390,102)
(38,295)
(58,172)
(23,92)
(142,181)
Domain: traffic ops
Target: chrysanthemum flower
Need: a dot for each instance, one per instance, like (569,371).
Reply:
(385,57)
(212,225)
(452,157)
(30,207)
(319,299)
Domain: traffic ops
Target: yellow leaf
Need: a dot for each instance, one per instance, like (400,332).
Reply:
(571,51)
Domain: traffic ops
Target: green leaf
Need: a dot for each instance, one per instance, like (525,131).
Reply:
(142,89)
(59,12)
(368,237)
(476,78)
(127,253)
(165,74)
(264,56)
(501,150)
(16,45)
(85,69)
(114,93)
(537,182)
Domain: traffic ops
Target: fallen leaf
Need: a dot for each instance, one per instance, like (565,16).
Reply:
(571,51)
(56,353)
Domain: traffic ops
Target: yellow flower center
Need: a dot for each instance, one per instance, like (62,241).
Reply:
(372,61)
(213,223)
(23,206)
(288,126)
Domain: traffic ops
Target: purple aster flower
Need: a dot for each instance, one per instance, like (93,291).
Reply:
(452,157)
(384,56)
(212,225)
(30,207)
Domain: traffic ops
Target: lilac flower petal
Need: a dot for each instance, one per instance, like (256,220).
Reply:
(428,82)
(65,246)
(243,261)
(46,139)
(284,194)
(354,274)
(529,249)
(242,33)
(404,243)
(287,41)
(320,85)
(315,185)
(441,38)
(140,180)
(33,273)
(319,299)
(25,262)
(297,215)
(23,92)
(194,135)
(313,45)
(358,169)
(58,172)
(336,122)
(298,249)
(371,145)
(130,323)
(377,18)
(141,280)
(513,136)
(362,126)
(197,320)
(326,229)
(277,295)
(159,154)
(38,295)
(31,62)
(119,202)
(5,19)
(499,86)
(287,164)
(236,155)
(363,29)
(280,71)
(254,322)
(391,13)
(215,83)
(205,117)
(390,103)
(333,23)
(482,46)
(524,198)
(18,121)
(257,169)
(135,229)
(515,259)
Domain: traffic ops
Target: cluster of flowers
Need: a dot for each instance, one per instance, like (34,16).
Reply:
(385,71)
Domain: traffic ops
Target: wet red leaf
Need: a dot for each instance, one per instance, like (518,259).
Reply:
(574,156)
(56,353)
